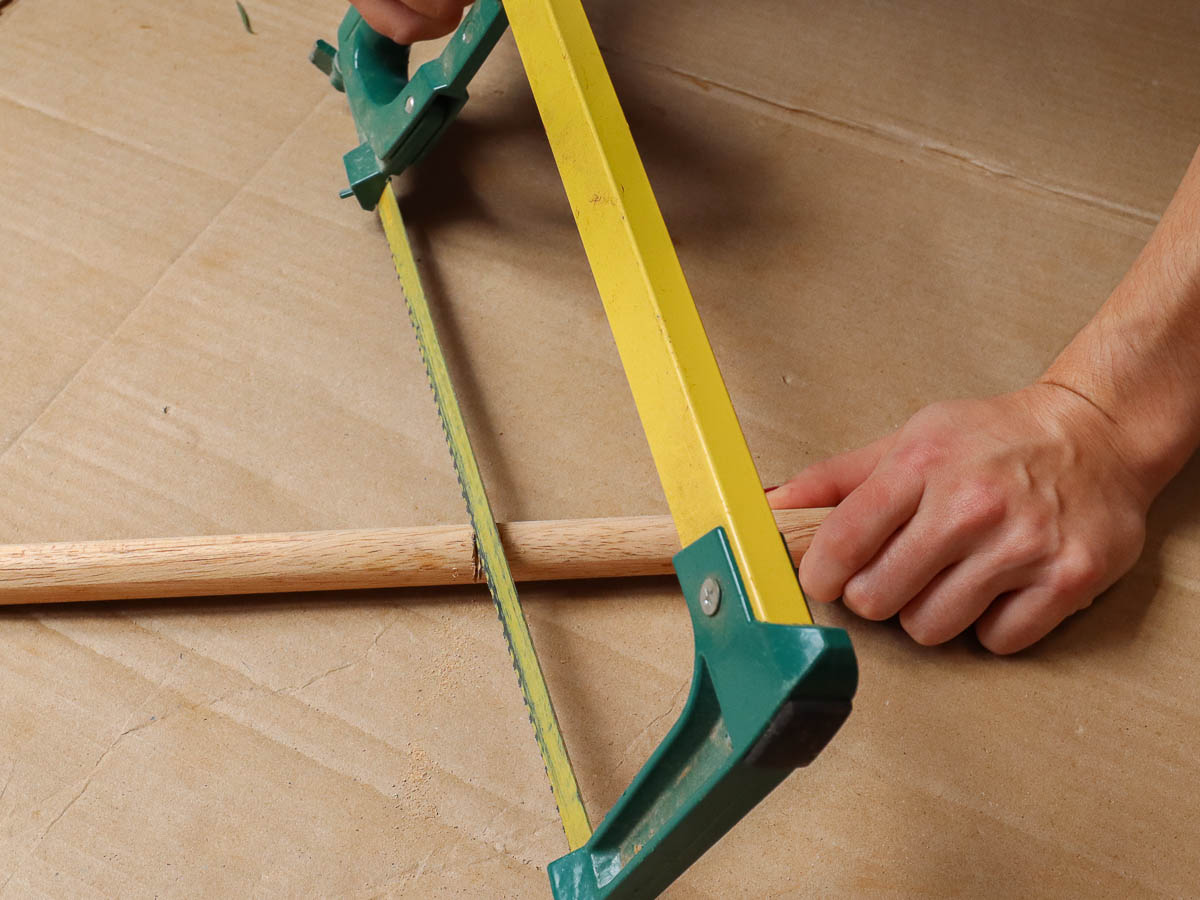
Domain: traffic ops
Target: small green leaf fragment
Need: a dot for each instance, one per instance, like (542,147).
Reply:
(245,17)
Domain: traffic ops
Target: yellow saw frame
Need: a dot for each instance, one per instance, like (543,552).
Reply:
(769,688)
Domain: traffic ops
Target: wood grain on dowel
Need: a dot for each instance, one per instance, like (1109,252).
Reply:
(347,560)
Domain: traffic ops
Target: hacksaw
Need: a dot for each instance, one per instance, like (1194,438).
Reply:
(769,688)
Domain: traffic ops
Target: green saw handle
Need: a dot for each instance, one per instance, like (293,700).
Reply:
(400,118)
(765,700)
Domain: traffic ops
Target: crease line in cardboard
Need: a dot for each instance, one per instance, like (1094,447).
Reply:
(954,797)
(12,228)
(284,197)
(113,137)
(898,136)
(166,270)
(253,687)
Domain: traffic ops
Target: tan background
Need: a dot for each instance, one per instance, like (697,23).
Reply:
(878,204)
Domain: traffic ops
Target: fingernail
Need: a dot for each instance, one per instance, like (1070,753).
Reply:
(771,488)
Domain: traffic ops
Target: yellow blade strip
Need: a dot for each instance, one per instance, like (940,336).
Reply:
(705,466)
(487,537)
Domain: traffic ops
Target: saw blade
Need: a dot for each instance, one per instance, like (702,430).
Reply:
(490,551)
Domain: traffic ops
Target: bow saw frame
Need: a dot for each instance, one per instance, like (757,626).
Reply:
(769,688)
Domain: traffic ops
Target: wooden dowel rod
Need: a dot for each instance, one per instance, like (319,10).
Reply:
(346,560)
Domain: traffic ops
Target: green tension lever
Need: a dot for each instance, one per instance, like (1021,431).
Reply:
(400,118)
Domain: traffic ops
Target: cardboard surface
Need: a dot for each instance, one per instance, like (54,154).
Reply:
(877,205)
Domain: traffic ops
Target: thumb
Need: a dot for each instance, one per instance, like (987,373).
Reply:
(826,483)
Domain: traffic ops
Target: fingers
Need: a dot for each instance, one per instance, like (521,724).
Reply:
(827,483)
(418,20)
(958,596)
(943,531)
(856,529)
(902,569)
(1023,618)
(1002,512)
(438,10)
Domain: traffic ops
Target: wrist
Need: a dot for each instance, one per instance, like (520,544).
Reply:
(1079,423)
(1138,361)
(1143,423)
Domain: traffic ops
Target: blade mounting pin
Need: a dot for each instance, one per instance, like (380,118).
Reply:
(710,596)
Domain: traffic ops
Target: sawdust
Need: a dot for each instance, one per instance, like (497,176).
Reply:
(414,789)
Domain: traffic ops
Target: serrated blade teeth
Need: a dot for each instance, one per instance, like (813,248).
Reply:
(489,552)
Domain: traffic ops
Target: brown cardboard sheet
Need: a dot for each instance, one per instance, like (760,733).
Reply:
(877,204)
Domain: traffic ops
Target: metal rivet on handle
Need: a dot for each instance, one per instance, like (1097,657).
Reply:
(710,596)
(408,105)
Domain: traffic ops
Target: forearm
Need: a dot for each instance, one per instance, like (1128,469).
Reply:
(1138,360)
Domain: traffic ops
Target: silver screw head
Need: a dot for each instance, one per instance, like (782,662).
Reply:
(710,596)
(408,105)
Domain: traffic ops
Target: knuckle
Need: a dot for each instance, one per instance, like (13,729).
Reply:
(444,13)
(933,621)
(837,551)
(998,642)
(1026,542)
(817,594)
(920,456)
(924,632)
(865,602)
(933,418)
(445,10)
(435,9)
(876,499)
(980,505)
(816,588)
(818,576)
(1130,535)
(1079,571)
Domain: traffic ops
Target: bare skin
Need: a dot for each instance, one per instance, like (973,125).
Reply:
(1011,513)
(412,20)
(1008,513)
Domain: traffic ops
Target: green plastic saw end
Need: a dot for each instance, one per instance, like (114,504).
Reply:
(765,699)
